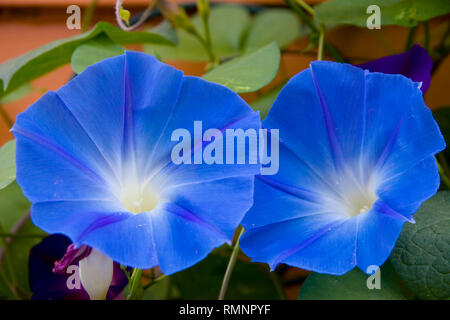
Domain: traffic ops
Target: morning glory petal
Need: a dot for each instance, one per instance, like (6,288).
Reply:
(42,163)
(159,85)
(377,233)
(263,244)
(96,94)
(408,135)
(398,194)
(208,198)
(300,97)
(179,230)
(218,108)
(77,219)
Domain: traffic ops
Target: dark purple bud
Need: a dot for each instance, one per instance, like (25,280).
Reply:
(415,64)
(54,271)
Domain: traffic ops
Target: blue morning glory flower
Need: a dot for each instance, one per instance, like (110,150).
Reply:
(94,158)
(356,162)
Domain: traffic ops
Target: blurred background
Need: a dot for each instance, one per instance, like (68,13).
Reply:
(29,24)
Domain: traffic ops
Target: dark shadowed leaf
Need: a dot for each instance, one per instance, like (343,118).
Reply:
(352,286)
(422,254)
(203,281)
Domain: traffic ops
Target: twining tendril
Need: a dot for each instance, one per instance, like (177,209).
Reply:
(141,20)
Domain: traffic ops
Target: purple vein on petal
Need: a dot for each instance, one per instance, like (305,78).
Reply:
(297,192)
(336,149)
(169,167)
(128,143)
(331,188)
(89,137)
(388,148)
(289,252)
(189,216)
(101,223)
(59,151)
(384,208)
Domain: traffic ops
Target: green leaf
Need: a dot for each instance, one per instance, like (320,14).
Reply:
(166,30)
(280,25)
(265,102)
(17,94)
(94,51)
(227,23)
(7,163)
(393,12)
(422,254)
(352,286)
(36,63)
(203,281)
(249,72)
(13,206)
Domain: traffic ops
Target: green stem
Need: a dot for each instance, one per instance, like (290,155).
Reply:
(306,7)
(314,29)
(6,117)
(88,15)
(321,40)
(230,267)
(159,279)
(427,35)
(135,283)
(410,39)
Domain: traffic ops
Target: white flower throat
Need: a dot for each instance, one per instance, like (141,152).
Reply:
(138,197)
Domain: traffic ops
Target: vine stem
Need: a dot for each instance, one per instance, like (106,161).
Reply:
(5,117)
(306,6)
(321,40)
(314,29)
(135,282)
(230,267)
(141,20)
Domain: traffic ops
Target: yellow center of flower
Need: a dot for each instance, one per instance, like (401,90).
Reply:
(360,201)
(138,199)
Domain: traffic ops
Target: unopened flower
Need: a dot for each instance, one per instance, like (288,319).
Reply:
(415,64)
(356,162)
(59,271)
